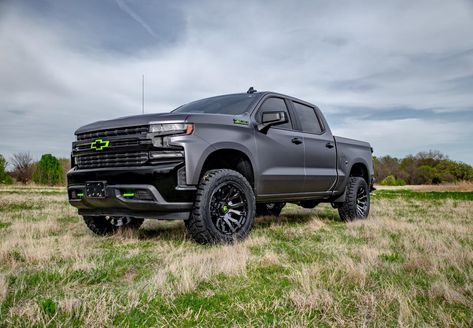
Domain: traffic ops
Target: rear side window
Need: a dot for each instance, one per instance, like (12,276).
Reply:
(274,105)
(308,119)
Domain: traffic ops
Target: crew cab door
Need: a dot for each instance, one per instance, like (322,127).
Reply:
(279,153)
(320,149)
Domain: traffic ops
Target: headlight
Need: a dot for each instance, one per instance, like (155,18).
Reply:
(171,128)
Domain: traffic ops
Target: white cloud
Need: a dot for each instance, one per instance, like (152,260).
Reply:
(377,55)
(406,136)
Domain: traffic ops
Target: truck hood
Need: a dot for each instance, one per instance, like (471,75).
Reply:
(137,120)
(134,120)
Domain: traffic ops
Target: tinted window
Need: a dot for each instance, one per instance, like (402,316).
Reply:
(230,104)
(274,105)
(309,121)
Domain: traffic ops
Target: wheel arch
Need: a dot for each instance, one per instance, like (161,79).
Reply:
(227,156)
(360,169)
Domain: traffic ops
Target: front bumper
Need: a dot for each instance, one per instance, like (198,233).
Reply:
(158,184)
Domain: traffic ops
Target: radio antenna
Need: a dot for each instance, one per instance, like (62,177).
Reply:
(143,94)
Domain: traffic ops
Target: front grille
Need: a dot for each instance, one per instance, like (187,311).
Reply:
(111,160)
(134,130)
(115,144)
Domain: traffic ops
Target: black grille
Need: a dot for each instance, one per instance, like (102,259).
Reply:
(111,160)
(114,144)
(114,132)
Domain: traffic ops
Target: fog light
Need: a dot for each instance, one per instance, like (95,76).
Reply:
(137,194)
(144,195)
(76,194)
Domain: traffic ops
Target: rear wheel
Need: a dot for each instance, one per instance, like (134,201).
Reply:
(269,209)
(357,200)
(107,225)
(224,209)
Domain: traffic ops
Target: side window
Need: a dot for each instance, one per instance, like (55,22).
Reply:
(308,119)
(274,105)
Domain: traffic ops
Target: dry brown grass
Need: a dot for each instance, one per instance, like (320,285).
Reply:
(410,264)
(3,288)
(183,269)
(310,293)
(39,243)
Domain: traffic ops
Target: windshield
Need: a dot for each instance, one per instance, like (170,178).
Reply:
(229,104)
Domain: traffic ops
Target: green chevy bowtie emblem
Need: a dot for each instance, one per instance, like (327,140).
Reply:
(99,144)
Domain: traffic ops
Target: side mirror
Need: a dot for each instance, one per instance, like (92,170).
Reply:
(271,118)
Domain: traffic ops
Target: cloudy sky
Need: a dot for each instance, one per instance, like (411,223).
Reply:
(398,74)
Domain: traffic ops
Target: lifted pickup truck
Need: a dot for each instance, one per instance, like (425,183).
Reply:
(216,163)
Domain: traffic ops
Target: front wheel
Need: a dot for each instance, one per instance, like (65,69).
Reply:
(224,209)
(357,200)
(108,225)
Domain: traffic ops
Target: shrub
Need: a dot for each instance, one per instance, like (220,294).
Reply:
(23,167)
(5,178)
(391,180)
(48,171)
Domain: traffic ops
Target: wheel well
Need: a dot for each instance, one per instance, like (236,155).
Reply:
(360,170)
(230,159)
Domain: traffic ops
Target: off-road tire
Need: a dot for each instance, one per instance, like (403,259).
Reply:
(200,226)
(101,226)
(348,210)
(273,209)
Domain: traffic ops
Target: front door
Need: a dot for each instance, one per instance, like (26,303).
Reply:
(280,154)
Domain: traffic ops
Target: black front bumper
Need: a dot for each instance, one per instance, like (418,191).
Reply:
(158,183)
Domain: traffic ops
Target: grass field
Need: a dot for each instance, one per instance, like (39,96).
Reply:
(409,264)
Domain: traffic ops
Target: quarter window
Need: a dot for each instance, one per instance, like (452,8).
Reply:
(308,118)
(274,105)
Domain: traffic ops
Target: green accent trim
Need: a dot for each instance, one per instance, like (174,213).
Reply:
(240,122)
(99,144)
(129,194)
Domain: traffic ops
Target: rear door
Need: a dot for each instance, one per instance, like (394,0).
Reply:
(280,153)
(320,152)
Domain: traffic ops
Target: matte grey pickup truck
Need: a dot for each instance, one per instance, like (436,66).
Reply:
(216,163)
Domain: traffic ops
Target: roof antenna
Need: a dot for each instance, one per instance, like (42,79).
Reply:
(251,90)
(143,94)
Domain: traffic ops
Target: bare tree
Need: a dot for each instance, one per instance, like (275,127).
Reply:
(23,167)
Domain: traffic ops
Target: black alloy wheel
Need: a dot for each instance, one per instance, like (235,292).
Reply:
(357,200)
(228,208)
(118,221)
(108,225)
(224,208)
(361,201)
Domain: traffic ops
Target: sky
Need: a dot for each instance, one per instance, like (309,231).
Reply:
(398,74)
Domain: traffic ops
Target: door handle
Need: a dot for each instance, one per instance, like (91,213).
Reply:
(329,145)
(296,141)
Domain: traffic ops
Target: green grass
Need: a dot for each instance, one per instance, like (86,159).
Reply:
(409,264)
(22,206)
(419,195)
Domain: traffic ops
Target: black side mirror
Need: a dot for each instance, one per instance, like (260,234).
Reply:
(271,118)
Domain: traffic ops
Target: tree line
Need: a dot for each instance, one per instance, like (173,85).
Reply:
(430,167)
(49,170)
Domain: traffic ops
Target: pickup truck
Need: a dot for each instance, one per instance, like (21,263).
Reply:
(216,163)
